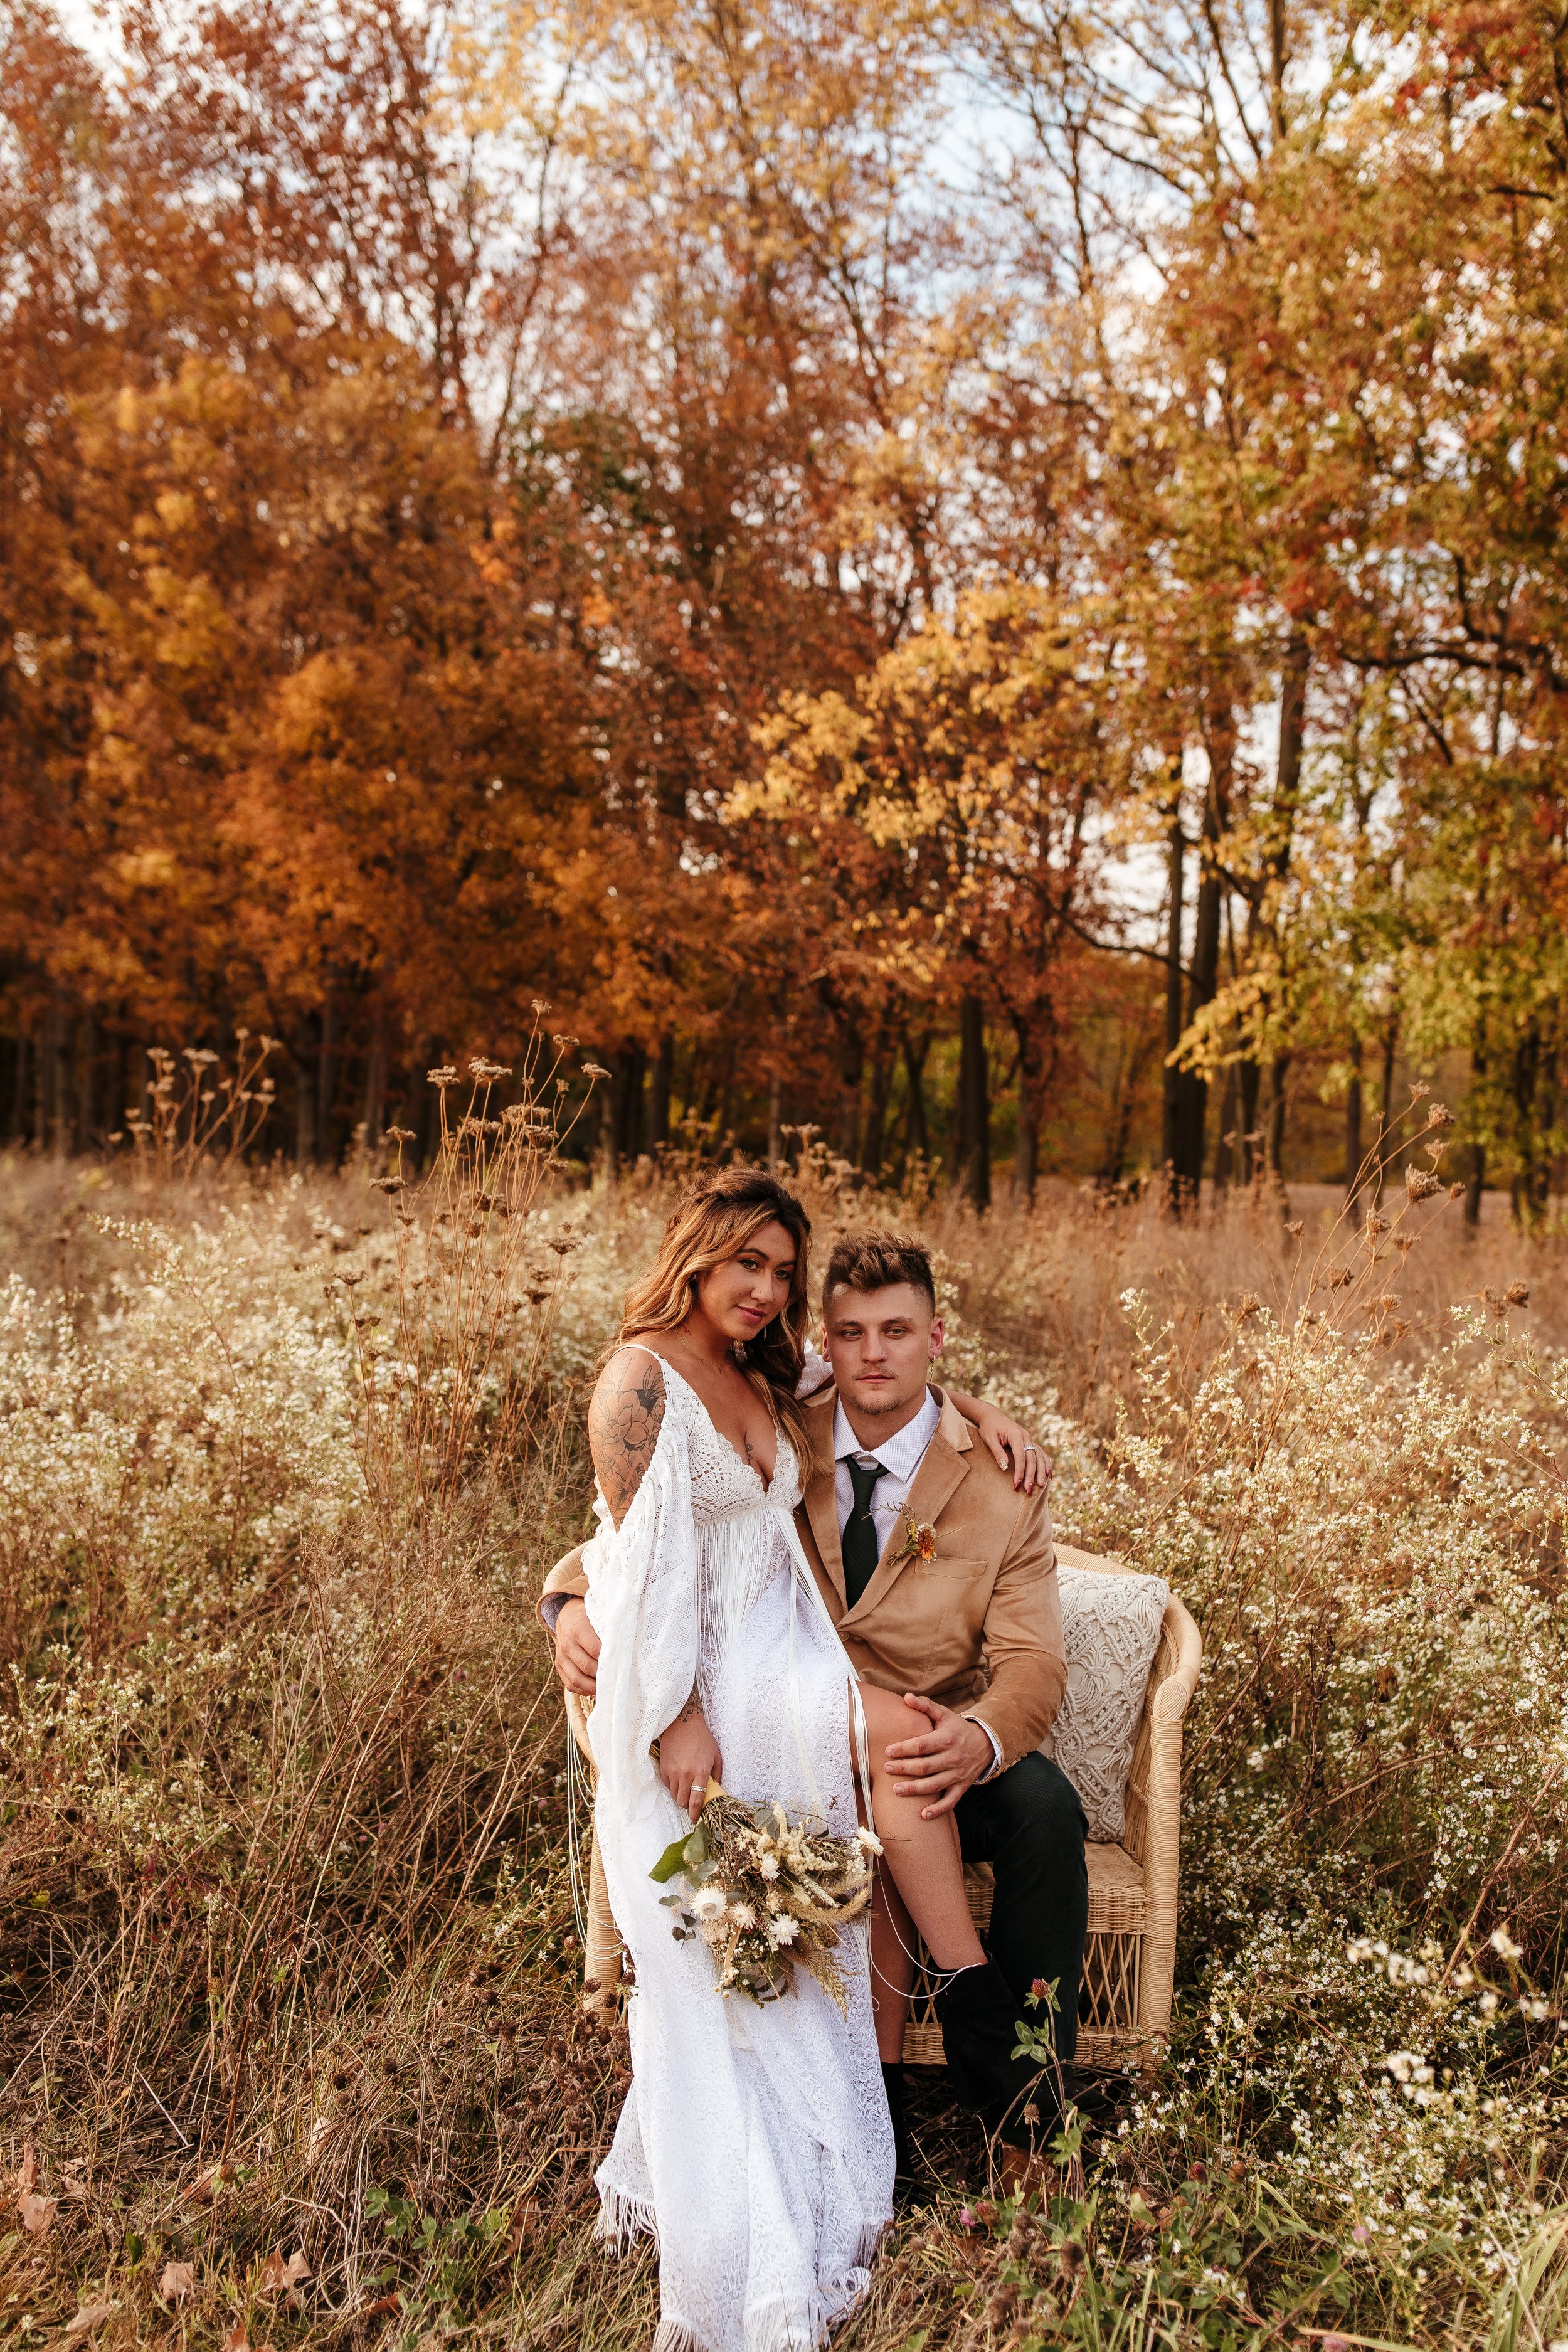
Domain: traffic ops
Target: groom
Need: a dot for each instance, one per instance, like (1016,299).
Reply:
(940,1578)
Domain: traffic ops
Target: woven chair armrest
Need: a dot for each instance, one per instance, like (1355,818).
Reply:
(1170,1700)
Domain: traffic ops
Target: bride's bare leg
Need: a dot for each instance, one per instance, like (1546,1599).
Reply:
(923,1857)
(893,1967)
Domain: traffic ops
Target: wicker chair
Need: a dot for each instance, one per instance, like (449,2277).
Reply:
(1124,2007)
(1130,1953)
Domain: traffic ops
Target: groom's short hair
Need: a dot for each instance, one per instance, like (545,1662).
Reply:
(876,1260)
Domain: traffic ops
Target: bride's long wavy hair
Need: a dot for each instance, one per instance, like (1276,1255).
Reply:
(712,1223)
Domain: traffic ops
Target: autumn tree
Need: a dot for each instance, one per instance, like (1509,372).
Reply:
(978,756)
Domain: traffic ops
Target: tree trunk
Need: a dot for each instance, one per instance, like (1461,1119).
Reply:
(874,1142)
(122,1060)
(59,1121)
(1475,1184)
(19,1089)
(775,1123)
(624,1115)
(1386,1107)
(851,1043)
(593,1131)
(1036,1066)
(326,1078)
(1225,1149)
(1292,741)
(973,1103)
(661,1087)
(1248,1089)
(1282,817)
(307,1090)
(140,1092)
(1171,1089)
(1354,1154)
(1274,1134)
(1118,1133)
(375,1078)
(1529,1189)
(917,1130)
(726,1096)
(1277,62)
(87,1123)
(1204,973)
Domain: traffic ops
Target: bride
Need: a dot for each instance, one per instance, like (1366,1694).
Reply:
(755,2143)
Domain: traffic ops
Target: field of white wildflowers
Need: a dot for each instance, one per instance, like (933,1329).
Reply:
(288,2038)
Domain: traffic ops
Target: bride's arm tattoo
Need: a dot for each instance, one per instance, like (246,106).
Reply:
(623,1426)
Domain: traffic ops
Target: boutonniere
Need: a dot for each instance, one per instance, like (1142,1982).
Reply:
(920,1540)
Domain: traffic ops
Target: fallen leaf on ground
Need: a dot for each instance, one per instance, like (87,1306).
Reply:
(237,2339)
(28,2176)
(278,2275)
(36,2211)
(90,2315)
(178,2281)
(203,2191)
(383,2304)
(523,2221)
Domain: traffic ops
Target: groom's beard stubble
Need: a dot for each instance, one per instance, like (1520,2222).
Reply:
(879,1406)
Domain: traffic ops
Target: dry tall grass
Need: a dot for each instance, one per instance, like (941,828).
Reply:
(288,1941)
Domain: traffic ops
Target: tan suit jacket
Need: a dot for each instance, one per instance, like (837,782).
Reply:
(979,1627)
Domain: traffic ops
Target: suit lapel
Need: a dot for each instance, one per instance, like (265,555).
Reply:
(944,1469)
(821,1504)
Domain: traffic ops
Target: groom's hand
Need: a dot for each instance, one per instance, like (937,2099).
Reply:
(577,1648)
(941,1762)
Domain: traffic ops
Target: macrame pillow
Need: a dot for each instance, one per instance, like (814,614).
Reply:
(1112,1628)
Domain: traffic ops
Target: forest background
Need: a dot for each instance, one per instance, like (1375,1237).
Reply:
(984,581)
(783,531)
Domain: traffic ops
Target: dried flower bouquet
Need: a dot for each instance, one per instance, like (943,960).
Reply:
(767,1897)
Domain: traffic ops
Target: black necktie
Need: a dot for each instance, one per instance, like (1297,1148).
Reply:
(860,1545)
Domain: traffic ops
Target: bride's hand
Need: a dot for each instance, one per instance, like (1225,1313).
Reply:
(1029,1466)
(688,1757)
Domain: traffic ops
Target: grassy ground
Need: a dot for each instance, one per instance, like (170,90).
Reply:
(289,1960)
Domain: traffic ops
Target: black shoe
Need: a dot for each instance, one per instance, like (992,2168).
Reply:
(893,2084)
(979,2015)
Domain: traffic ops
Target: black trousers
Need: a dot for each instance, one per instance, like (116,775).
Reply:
(1028,1824)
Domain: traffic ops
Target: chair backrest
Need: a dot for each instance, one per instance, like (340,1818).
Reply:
(1178,1638)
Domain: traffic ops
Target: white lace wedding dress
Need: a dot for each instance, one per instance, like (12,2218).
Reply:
(755,2143)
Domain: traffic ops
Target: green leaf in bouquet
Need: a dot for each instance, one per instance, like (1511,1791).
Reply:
(670,1861)
(688,1854)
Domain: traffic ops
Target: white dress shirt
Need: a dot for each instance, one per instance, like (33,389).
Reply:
(900,1457)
